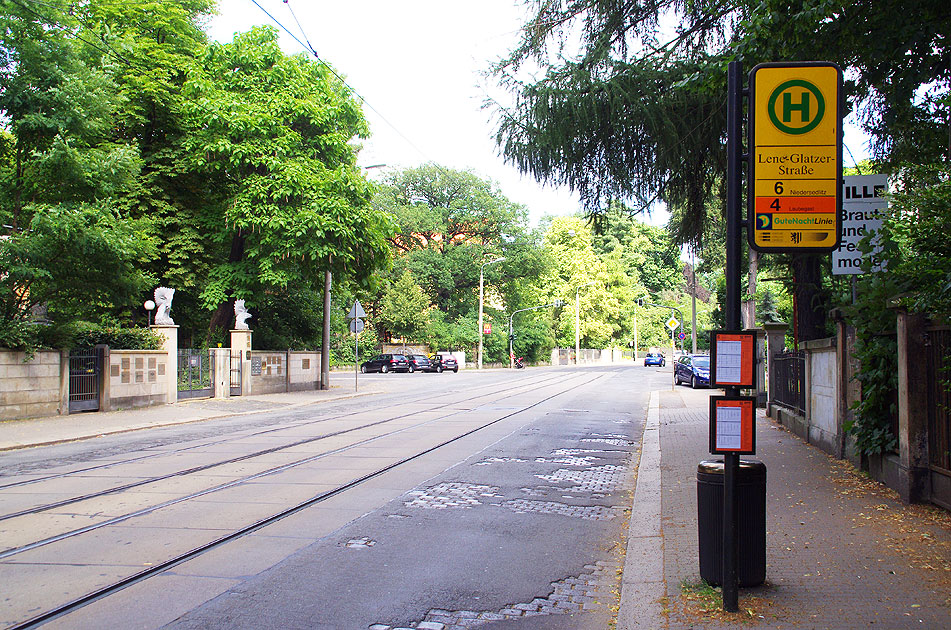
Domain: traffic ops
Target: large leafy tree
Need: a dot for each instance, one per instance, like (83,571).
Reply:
(449,223)
(66,247)
(638,113)
(282,198)
(647,252)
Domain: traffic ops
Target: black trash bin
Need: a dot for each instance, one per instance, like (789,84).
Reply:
(751,521)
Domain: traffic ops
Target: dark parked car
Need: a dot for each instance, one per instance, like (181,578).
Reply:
(654,358)
(693,369)
(443,362)
(385,363)
(419,362)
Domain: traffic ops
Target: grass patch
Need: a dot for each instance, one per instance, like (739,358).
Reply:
(703,602)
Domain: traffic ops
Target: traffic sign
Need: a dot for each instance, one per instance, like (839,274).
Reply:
(357,325)
(682,335)
(796,157)
(356,311)
(672,323)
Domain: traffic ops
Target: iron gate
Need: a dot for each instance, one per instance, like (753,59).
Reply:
(938,351)
(236,363)
(196,374)
(85,368)
(789,373)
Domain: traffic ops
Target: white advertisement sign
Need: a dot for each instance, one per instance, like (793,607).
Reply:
(863,202)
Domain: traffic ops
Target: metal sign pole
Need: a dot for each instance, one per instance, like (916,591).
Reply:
(356,361)
(731,461)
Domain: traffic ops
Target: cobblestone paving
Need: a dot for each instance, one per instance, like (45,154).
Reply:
(587,512)
(611,441)
(452,495)
(596,479)
(583,593)
(499,460)
(586,592)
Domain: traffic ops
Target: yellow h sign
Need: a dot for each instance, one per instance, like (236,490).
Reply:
(795,157)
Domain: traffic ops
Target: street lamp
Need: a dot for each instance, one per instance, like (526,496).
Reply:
(481,299)
(149,306)
(578,320)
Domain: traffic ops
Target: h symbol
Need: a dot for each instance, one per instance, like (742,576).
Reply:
(802,107)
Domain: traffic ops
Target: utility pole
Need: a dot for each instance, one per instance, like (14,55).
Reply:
(325,342)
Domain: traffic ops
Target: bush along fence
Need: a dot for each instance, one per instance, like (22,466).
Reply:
(60,382)
(817,402)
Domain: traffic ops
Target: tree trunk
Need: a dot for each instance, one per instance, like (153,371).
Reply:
(749,304)
(810,309)
(221,319)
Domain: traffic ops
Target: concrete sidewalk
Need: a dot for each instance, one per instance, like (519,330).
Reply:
(842,550)
(16,434)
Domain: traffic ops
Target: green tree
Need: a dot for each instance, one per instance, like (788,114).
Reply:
(648,254)
(632,116)
(283,198)
(405,309)
(59,112)
(450,223)
(77,262)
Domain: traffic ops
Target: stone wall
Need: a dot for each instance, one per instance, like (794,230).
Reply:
(138,378)
(822,393)
(268,372)
(34,388)
(304,371)
(275,372)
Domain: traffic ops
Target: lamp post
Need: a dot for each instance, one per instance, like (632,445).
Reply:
(481,299)
(149,306)
(578,320)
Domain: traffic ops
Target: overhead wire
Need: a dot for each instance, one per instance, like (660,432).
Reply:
(109,50)
(307,46)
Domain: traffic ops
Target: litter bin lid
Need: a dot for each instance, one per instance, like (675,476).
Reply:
(749,468)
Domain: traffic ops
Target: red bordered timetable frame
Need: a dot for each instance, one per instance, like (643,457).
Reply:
(733,359)
(732,424)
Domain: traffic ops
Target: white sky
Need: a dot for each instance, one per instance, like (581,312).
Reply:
(419,63)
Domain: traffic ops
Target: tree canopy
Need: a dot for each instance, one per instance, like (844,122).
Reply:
(611,101)
(222,170)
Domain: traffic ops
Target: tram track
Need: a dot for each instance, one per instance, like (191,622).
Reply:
(115,463)
(162,566)
(224,486)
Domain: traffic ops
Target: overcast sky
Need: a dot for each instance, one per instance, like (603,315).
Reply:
(418,64)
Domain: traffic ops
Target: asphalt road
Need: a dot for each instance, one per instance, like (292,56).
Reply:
(499,495)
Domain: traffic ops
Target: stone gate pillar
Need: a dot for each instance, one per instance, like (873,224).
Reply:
(241,342)
(775,342)
(170,333)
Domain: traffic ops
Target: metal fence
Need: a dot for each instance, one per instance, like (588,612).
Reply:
(196,374)
(789,374)
(85,367)
(236,368)
(938,346)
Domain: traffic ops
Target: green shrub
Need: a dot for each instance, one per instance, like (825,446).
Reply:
(18,335)
(83,335)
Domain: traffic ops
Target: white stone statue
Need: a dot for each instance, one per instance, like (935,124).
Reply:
(163,306)
(241,315)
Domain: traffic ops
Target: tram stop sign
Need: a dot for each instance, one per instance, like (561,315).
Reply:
(796,157)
